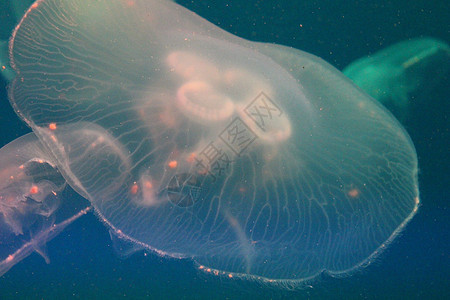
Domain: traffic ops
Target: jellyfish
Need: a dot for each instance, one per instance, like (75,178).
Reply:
(30,189)
(257,161)
(401,71)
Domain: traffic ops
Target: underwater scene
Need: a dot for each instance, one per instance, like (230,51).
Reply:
(224,150)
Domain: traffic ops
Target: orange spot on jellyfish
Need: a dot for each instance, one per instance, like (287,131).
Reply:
(173,164)
(134,189)
(52,126)
(354,193)
(34,190)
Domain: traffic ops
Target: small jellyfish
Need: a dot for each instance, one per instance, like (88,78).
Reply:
(401,71)
(30,189)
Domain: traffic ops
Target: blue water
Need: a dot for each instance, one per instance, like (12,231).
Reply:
(417,264)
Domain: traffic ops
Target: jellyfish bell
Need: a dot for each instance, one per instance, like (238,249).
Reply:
(192,67)
(263,163)
(29,183)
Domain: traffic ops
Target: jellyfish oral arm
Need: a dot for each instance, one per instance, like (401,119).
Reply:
(37,242)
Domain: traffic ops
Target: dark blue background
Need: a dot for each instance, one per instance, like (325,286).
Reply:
(416,265)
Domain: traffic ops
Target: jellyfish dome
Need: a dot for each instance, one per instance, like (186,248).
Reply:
(258,161)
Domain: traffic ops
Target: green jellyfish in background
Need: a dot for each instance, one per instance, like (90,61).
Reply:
(396,74)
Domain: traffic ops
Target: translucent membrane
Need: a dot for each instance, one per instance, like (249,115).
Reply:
(30,188)
(258,161)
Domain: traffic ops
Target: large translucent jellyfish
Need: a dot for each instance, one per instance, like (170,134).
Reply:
(256,160)
(30,188)
(393,75)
